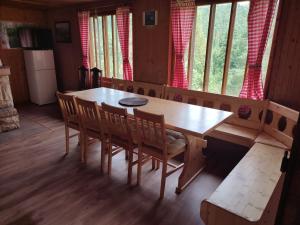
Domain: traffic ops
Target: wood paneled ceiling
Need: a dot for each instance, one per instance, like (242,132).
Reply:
(47,3)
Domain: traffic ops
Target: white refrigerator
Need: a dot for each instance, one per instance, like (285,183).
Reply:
(41,76)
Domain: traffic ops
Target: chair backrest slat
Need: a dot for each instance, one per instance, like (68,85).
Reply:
(89,114)
(151,130)
(116,122)
(68,107)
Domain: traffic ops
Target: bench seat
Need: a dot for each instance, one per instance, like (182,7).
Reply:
(250,193)
(236,134)
(265,138)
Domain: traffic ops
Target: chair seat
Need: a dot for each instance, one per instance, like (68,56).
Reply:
(176,144)
(236,134)
(266,139)
(74,125)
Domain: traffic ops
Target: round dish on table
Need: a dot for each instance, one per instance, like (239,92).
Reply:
(133,101)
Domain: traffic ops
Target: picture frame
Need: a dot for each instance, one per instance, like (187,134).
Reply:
(150,18)
(63,32)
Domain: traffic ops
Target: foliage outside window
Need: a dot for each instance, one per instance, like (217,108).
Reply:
(105,50)
(216,18)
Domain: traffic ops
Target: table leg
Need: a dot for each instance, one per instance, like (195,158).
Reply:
(194,161)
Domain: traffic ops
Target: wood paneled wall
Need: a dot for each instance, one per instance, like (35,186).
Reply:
(284,88)
(14,57)
(67,55)
(151,45)
(285,71)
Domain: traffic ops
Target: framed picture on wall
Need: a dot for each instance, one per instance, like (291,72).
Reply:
(63,32)
(150,18)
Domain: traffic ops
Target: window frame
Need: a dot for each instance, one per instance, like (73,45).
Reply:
(229,42)
(110,71)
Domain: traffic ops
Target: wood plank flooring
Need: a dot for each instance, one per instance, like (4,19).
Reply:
(40,185)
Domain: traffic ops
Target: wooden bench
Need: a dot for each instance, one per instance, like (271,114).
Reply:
(123,85)
(279,126)
(242,128)
(106,82)
(250,193)
(153,90)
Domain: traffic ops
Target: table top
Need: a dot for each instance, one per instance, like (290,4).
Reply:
(186,118)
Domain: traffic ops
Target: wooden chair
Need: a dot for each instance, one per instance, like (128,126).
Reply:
(119,134)
(90,120)
(154,140)
(69,111)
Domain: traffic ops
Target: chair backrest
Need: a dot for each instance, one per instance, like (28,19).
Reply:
(96,75)
(247,112)
(89,115)
(123,85)
(83,78)
(153,90)
(116,122)
(280,122)
(151,130)
(68,107)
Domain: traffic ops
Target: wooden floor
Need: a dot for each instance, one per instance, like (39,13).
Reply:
(40,185)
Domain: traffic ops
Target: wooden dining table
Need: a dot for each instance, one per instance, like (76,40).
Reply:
(195,122)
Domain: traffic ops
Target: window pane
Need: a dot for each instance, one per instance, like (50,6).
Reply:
(119,54)
(92,45)
(100,27)
(239,50)
(266,56)
(110,46)
(202,20)
(219,47)
(100,51)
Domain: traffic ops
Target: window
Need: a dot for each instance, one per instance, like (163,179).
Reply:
(217,56)
(105,50)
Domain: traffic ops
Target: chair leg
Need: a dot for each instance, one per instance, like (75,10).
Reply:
(157,164)
(163,179)
(109,158)
(81,137)
(139,166)
(153,163)
(130,159)
(85,144)
(67,139)
(103,150)
(126,155)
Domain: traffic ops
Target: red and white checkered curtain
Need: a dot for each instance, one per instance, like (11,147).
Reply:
(182,18)
(83,21)
(259,23)
(122,16)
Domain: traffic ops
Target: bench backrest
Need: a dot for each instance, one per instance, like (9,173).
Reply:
(106,82)
(153,90)
(123,85)
(248,113)
(280,123)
